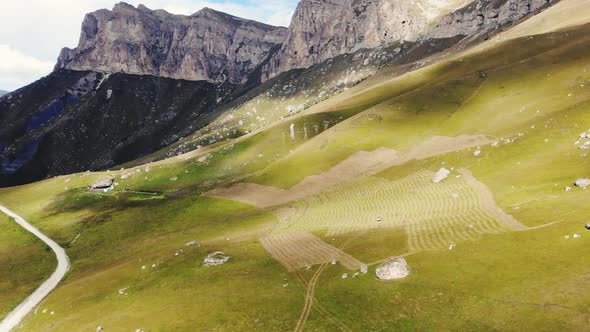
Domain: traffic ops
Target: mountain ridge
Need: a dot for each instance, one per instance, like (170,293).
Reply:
(208,45)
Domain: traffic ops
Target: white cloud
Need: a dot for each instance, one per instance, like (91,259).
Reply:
(18,69)
(40,28)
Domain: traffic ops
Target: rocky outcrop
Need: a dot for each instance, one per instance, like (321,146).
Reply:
(485,15)
(207,45)
(323,29)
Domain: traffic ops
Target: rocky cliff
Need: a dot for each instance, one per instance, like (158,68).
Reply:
(207,45)
(485,15)
(323,29)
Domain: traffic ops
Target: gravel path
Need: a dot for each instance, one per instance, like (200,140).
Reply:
(63,265)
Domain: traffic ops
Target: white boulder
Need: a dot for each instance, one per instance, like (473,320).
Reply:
(104,183)
(582,183)
(477,153)
(442,174)
(394,269)
(215,258)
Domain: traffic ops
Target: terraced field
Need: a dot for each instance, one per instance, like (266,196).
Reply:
(434,215)
(301,249)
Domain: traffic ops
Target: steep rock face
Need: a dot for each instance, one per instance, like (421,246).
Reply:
(323,29)
(207,45)
(483,15)
(72,121)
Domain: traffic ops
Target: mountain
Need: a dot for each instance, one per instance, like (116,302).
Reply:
(439,184)
(196,80)
(82,120)
(208,45)
(321,30)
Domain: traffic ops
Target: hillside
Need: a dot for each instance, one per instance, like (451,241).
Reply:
(311,182)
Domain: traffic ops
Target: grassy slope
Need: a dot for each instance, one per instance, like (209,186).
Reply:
(25,262)
(510,281)
(455,100)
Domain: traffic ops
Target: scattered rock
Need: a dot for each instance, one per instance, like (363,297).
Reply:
(394,269)
(123,291)
(577,236)
(455,196)
(442,174)
(379,219)
(568,189)
(99,329)
(364,269)
(109,94)
(344,275)
(215,259)
(477,153)
(333,261)
(452,246)
(143,267)
(588,226)
(191,243)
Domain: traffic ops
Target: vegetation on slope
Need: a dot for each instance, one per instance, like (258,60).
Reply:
(531,95)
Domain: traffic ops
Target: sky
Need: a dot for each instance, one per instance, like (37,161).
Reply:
(32,32)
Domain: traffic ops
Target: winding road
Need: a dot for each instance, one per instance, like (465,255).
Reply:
(63,265)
